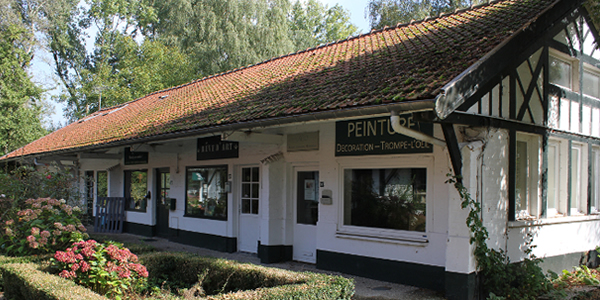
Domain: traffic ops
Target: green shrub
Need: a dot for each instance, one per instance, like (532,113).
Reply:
(108,270)
(43,225)
(26,281)
(225,279)
(182,269)
(25,182)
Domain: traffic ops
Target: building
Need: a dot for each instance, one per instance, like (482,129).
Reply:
(338,155)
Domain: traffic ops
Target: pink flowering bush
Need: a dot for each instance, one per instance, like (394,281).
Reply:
(43,225)
(109,270)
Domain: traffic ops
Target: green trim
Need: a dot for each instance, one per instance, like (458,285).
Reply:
(461,286)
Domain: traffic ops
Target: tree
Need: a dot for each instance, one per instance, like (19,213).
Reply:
(122,66)
(20,99)
(313,23)
(139,43)
(391,12)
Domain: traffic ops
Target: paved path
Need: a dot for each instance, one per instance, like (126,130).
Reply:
(366,289)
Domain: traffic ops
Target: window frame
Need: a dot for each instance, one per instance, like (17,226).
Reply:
(595,180)
(251,183)
(534,168)
(578,202)
(144,206)
(398,162)
(572,62)
(587,68)
(227,200)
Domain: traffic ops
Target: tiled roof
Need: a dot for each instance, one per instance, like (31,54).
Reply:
(404,63)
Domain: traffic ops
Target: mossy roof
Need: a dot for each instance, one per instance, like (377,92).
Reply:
(407,62)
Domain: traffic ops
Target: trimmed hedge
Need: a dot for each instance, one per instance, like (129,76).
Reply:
(225,279)
(26,281)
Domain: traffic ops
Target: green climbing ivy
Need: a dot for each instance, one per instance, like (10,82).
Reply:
(500,279)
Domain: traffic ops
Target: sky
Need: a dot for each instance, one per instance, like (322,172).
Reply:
(42,72)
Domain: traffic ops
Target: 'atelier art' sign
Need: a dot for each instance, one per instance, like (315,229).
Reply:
(375,136)
(214,148)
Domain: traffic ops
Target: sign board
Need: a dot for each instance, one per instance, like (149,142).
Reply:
(135,157)
(375,136)
(214,148)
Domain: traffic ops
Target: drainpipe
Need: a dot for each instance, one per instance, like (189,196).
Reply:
(395,119)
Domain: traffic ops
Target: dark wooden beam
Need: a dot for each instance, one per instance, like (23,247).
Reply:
(453,150)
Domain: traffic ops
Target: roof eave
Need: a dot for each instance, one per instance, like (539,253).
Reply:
(353,112)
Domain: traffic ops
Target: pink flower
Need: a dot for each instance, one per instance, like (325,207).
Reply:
(81,228)
(31,238)
(35,231)
(84,266)
(49,176)
(71,228)
(124,273)
(10,222)
(45,234)
(75,267)
(65,274)
(34,245)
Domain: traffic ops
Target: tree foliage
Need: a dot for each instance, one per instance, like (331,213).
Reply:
(146,45)
(20,99)
(391,12)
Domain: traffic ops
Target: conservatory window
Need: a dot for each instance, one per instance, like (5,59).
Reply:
(578,179)
(595,180)
(591,84)
(527,176)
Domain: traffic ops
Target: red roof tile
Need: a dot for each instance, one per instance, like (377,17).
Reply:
(407,62)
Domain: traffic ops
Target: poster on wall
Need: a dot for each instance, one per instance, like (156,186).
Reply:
(375,136)
(213,148)
(309,189)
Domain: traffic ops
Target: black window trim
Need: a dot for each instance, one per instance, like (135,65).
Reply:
(185,201)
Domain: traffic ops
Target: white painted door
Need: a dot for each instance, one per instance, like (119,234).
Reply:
(306,215)
(248,233)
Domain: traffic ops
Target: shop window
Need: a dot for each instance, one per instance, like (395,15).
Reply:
(136,189)
(386,198)
(250,190)
(595,180)
(206,196)
(527,175)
